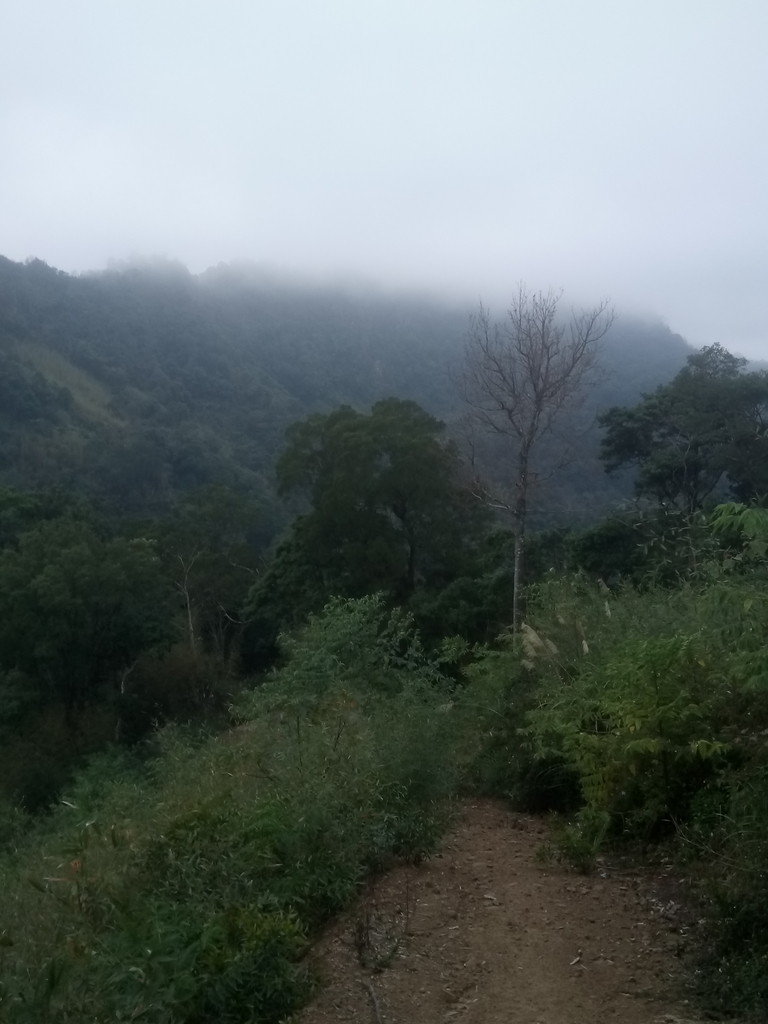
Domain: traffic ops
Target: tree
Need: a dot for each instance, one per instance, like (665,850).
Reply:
(76,610)
(387,512)
(522,376)
(385,500)
(705,429)
(205,549)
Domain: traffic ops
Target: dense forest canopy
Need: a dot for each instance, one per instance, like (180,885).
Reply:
(136,385)
(697,436)
(194,464)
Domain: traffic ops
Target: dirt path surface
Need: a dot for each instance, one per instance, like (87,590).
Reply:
(483,933)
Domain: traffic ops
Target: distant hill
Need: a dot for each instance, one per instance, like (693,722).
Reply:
(137,384)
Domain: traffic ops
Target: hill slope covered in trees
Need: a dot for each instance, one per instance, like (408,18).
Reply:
(363,674)
(140,384)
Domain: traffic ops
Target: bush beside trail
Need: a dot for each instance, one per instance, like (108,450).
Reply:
(643,714)
(186,886)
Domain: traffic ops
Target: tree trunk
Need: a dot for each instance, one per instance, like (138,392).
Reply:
(400,511)
(411,570)
(521,512)
(183,586)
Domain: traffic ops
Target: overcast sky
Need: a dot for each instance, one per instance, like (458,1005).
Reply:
(611,147)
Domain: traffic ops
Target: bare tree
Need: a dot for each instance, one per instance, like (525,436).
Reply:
(519,378)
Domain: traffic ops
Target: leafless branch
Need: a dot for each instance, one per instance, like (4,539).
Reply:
(520,377)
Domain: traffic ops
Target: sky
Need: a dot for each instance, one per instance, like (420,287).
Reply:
(612,148)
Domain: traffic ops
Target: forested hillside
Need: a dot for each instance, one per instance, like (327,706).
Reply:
(136,385)
(261,625)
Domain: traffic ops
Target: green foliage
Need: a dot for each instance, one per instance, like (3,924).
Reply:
(184,888)
(387,513)
(476,604)
(26,397)
(145,382)
(578,842)
(358,665)
(729,830)
(354,639)
(654,701)
(631,693)
(23,510)
(690,434)
(636,727)
(175,685)
(76,608)
(207,550)
(142,384)
(13,824)
(385,503)
(738,522)
(501,690)
(611,551)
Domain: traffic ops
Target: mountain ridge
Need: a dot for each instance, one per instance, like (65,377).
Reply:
(138,383)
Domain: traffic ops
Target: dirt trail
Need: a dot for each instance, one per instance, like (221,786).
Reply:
(484,933)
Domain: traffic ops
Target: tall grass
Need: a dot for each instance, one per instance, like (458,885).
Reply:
(646,711)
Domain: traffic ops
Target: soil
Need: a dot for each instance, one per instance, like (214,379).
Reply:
(485,932)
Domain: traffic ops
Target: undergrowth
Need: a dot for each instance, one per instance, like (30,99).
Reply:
(185,887)
(642,714)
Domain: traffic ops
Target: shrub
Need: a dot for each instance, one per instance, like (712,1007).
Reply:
(184,888)
(657,702)
(729,829)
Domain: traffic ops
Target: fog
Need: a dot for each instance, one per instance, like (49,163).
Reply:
(613,149)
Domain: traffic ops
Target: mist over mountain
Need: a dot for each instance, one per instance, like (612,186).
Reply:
(142,382)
